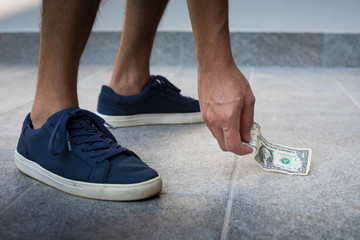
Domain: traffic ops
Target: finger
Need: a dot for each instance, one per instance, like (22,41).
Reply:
(233,143)
(218,134)
(215,130)
(247,118)
(210,128)
(232,138)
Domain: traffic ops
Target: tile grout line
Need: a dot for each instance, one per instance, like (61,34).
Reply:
(194,195)
(346,91)
(225,227)
(14,200)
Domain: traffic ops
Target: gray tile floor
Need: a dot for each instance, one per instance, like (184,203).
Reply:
(207,194)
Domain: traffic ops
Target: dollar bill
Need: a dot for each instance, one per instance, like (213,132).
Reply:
(279,158)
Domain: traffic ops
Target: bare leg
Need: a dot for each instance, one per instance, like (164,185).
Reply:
(131,71)
(65,28)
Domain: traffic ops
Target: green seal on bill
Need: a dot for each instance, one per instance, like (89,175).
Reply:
(285,160)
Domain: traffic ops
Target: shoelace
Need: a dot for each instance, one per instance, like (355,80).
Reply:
(84,127)
(165,84)
(162,81)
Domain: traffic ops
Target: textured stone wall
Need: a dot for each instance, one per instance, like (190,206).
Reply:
(177,48)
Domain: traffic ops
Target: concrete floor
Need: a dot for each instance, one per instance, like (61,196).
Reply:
(207,194)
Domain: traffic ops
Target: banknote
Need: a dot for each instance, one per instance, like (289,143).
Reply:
(279,158)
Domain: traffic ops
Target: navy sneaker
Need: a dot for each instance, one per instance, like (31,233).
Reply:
(75,153)
(160,102)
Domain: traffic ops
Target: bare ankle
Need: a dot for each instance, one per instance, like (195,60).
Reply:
(39,115)
(37,120)
(40,112)
(129,84)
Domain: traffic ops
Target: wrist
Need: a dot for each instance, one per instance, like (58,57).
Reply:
(212,55)
(215,63)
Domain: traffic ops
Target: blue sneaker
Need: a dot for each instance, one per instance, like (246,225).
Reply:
(160,102)
(75,153)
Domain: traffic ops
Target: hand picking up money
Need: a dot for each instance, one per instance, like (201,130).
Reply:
(278,158)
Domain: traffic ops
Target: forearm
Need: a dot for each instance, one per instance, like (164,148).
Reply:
(209,19)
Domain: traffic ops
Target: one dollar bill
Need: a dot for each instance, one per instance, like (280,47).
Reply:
(279,158)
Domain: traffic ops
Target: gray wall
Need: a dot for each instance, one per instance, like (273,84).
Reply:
(320,16)
(296,33)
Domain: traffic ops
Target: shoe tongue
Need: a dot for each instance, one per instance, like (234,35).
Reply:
(159,80)
(55,117)
(82,123)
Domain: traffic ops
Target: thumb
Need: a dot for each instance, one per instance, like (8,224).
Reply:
(246,121)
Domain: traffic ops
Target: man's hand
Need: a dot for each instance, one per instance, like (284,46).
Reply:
(227,105)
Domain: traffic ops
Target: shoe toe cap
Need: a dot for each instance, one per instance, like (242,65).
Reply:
(129,170)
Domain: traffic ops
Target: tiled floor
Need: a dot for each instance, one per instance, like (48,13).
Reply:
(207,194)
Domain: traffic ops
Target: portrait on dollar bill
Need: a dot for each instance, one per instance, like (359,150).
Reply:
(266,156)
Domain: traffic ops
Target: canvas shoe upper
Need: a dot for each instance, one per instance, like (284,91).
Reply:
(160,102)
(74,152)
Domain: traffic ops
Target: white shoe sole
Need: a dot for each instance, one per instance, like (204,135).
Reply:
(151,119)
(114,192)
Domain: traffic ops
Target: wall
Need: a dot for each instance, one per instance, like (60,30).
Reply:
(288,16)
(292,33)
